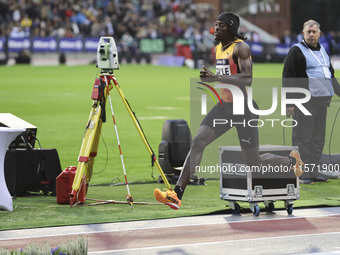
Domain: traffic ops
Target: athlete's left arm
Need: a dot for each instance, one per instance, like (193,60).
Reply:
(243,78)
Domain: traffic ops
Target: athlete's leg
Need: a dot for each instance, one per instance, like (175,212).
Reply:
(270,159)
(172,198)
(204,137)
(251,156)
(249,141)
(206,134)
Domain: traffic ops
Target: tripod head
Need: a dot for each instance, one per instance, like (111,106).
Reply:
(107,55)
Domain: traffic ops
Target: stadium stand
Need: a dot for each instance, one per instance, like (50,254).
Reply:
(139,27)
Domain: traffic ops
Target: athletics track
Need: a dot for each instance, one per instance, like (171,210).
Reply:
(313,230)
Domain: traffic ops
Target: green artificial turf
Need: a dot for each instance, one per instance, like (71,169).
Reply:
(37,210)
(58,101)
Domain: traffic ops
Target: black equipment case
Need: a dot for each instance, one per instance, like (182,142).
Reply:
(237,183)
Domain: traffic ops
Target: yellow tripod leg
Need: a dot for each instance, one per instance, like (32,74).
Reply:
(88,151)
(93,152)
(89,146)
(133,117)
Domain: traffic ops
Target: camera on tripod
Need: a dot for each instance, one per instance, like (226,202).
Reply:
(107,54)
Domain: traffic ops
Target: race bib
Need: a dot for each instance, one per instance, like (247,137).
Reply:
(222,67)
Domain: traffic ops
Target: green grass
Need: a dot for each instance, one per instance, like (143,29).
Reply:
(58,100)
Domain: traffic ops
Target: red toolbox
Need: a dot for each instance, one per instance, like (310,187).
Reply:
(64,186)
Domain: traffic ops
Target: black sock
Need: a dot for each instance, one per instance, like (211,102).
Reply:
(292,161)
(179,192)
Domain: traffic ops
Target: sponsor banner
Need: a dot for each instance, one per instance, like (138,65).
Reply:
(282,49)
(44,44)
(91,44)
(70,45)
(2,43)
(256,49)
(19,44)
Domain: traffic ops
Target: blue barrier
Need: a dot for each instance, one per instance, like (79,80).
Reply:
(19,44)
(260,51)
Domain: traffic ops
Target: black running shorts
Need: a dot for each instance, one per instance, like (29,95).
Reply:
(221,119)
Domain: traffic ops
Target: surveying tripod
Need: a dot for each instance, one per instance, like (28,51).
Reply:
(107,61)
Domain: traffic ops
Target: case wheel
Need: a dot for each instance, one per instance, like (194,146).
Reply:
(290,209)
(255,209)
(237,208)
(270,207)
(289,206)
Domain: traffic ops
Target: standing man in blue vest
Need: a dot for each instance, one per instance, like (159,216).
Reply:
(308,66)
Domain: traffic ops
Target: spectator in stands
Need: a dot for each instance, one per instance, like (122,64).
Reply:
(324,42)
(78,18)
(287,38)
(331,39)
(26,22)
(108,26)
(255,37)
(18,32)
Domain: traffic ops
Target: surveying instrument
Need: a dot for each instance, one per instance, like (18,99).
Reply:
(107,62)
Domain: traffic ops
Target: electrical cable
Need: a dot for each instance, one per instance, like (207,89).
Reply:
(284,135)
(38,142)
(331,135)
(326,196)
(107,155)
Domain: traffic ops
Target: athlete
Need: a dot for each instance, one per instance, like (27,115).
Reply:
(233,66)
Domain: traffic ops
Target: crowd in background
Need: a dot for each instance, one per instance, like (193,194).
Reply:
(331,40)
(125,20)
(95,18)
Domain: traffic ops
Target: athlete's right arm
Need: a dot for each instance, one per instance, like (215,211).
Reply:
(242,56)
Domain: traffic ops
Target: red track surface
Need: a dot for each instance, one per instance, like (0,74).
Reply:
(199,230)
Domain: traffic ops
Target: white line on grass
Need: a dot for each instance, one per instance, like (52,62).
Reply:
(154,118)
(165,108)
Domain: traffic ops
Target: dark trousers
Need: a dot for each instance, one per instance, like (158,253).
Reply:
(309,136)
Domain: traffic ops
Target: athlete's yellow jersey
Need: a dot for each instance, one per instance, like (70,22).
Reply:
(225,65)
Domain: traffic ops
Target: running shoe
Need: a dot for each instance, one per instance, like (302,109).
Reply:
(168,197)
(299,166)
(321,179)
(306,181)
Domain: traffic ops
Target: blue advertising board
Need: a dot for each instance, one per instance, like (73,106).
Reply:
(70,45)
(19,44)
(2,43)
(256,49)
(91,44)
(44,44)
(282,49)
